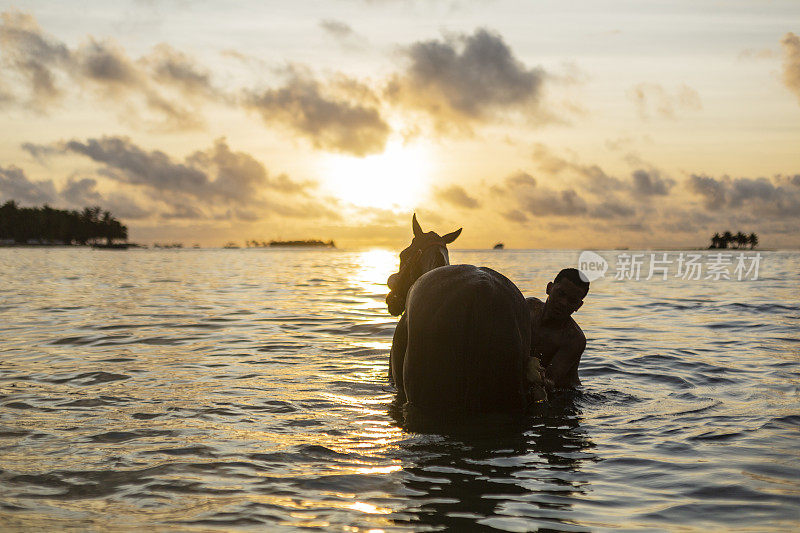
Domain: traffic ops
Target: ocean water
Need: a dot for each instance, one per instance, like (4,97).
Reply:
(246,389)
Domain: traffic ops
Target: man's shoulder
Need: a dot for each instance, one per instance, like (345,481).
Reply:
(576,334)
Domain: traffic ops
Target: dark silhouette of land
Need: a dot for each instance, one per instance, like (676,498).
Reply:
(45,225)
(729,240)
(306,243)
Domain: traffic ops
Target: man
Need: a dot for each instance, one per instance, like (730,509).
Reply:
(556,340)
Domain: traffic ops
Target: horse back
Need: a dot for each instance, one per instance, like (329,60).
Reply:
(468,337)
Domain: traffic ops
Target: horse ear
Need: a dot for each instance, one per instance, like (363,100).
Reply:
(450,237)
(415,226)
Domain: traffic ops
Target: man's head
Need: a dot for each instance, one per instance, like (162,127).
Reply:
(565,293)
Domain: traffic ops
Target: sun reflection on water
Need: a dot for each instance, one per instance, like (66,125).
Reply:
(368,508)
(375,267)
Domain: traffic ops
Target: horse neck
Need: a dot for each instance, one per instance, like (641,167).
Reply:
(433,256)
(424,260)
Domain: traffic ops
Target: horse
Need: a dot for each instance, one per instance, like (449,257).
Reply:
(464,336)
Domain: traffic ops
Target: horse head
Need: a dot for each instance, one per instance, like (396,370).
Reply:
(426,252)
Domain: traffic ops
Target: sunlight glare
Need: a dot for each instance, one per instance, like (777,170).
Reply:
(394,179)
(376,265)
(369,508)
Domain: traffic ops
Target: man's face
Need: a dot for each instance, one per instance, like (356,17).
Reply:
(564,298)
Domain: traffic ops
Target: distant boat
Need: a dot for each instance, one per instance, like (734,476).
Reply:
(308,243)
(499,246)
(231,246)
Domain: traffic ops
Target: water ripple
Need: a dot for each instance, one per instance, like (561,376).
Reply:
(226,390)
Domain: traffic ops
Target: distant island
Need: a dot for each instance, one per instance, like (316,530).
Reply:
(311,243)
(729,240)
(499,246)
(287,244)
(47,226)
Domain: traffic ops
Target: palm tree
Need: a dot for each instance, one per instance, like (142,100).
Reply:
(8,219)
(716,241)
(753,240)
(741,239)
(47,225)
(727,238)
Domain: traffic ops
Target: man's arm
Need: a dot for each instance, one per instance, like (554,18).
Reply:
(563,368)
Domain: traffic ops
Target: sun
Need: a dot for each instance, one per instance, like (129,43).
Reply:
(395,179)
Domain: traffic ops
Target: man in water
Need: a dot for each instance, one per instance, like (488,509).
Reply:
(556,340)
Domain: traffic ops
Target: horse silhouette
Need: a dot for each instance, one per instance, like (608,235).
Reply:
(462,341)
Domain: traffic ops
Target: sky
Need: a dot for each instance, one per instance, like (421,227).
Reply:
(571,125)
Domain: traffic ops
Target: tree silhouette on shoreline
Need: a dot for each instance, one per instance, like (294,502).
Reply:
(729,240)
(45,225)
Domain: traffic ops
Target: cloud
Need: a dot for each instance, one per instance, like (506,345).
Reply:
(75,194)
(81,192)
(172,67)
(712,190)
(344,35)
(40,152)
(559,203)
(791,62)
(216,182)
(216,174)
(128,163)
(107,63)
(466,79)
(595,195)
(521,179)
(6,96)
(187,211)
(594,177)
(336,28)
(643,183)
(612,209)
(32,55)
(165,81)
(15,185)
(124,207)
(167,89)
(164,89)
(536,201)
(457,196)
(341,117)
(549,162)
(650,183)
(651,98)
(515,215)
(777,198)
